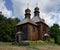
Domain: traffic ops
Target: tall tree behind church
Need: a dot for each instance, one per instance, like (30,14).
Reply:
(7,28)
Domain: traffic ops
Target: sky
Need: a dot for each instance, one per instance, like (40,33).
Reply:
(49,9)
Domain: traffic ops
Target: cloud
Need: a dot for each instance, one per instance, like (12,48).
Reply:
(7,13)
(50,9)
(19,8)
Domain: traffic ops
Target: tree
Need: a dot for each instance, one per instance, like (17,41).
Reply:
(7,28)
(55,32)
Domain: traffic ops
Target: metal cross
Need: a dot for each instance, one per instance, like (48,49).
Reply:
(27,5)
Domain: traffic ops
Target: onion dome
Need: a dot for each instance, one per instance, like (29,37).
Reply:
(36,9)
(27,11)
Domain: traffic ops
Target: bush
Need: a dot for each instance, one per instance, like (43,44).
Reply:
(40,42)
(52,41)
(33,43)
(58,40)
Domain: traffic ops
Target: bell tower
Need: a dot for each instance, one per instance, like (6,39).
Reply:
(27,12)
(36,10)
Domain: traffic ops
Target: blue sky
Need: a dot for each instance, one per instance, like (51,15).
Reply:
(9,6)
(49,9)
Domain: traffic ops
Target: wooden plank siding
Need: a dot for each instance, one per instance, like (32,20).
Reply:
(32,33)
(43,29)
(24,29)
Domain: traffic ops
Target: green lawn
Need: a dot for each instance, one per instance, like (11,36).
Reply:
(8,46)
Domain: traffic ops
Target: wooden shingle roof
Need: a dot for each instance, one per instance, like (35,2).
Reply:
(36,19)
(26,20)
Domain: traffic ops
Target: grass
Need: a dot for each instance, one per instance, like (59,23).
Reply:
(49,47)
(8,46)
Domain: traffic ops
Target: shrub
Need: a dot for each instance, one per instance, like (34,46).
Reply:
(40,42)
(58,40)
(52,41)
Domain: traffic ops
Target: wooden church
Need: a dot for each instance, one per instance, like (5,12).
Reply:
(32,29)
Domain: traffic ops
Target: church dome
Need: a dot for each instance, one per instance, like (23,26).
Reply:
(36,9)
(27,11)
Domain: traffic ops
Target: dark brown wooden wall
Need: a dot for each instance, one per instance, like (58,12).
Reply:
(24,29)
(42,33)
(43,29)
(32,33)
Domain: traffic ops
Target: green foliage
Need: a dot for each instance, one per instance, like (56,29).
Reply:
(52,41)
(55,33)
(40,42)
(7,28)
(58,40)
